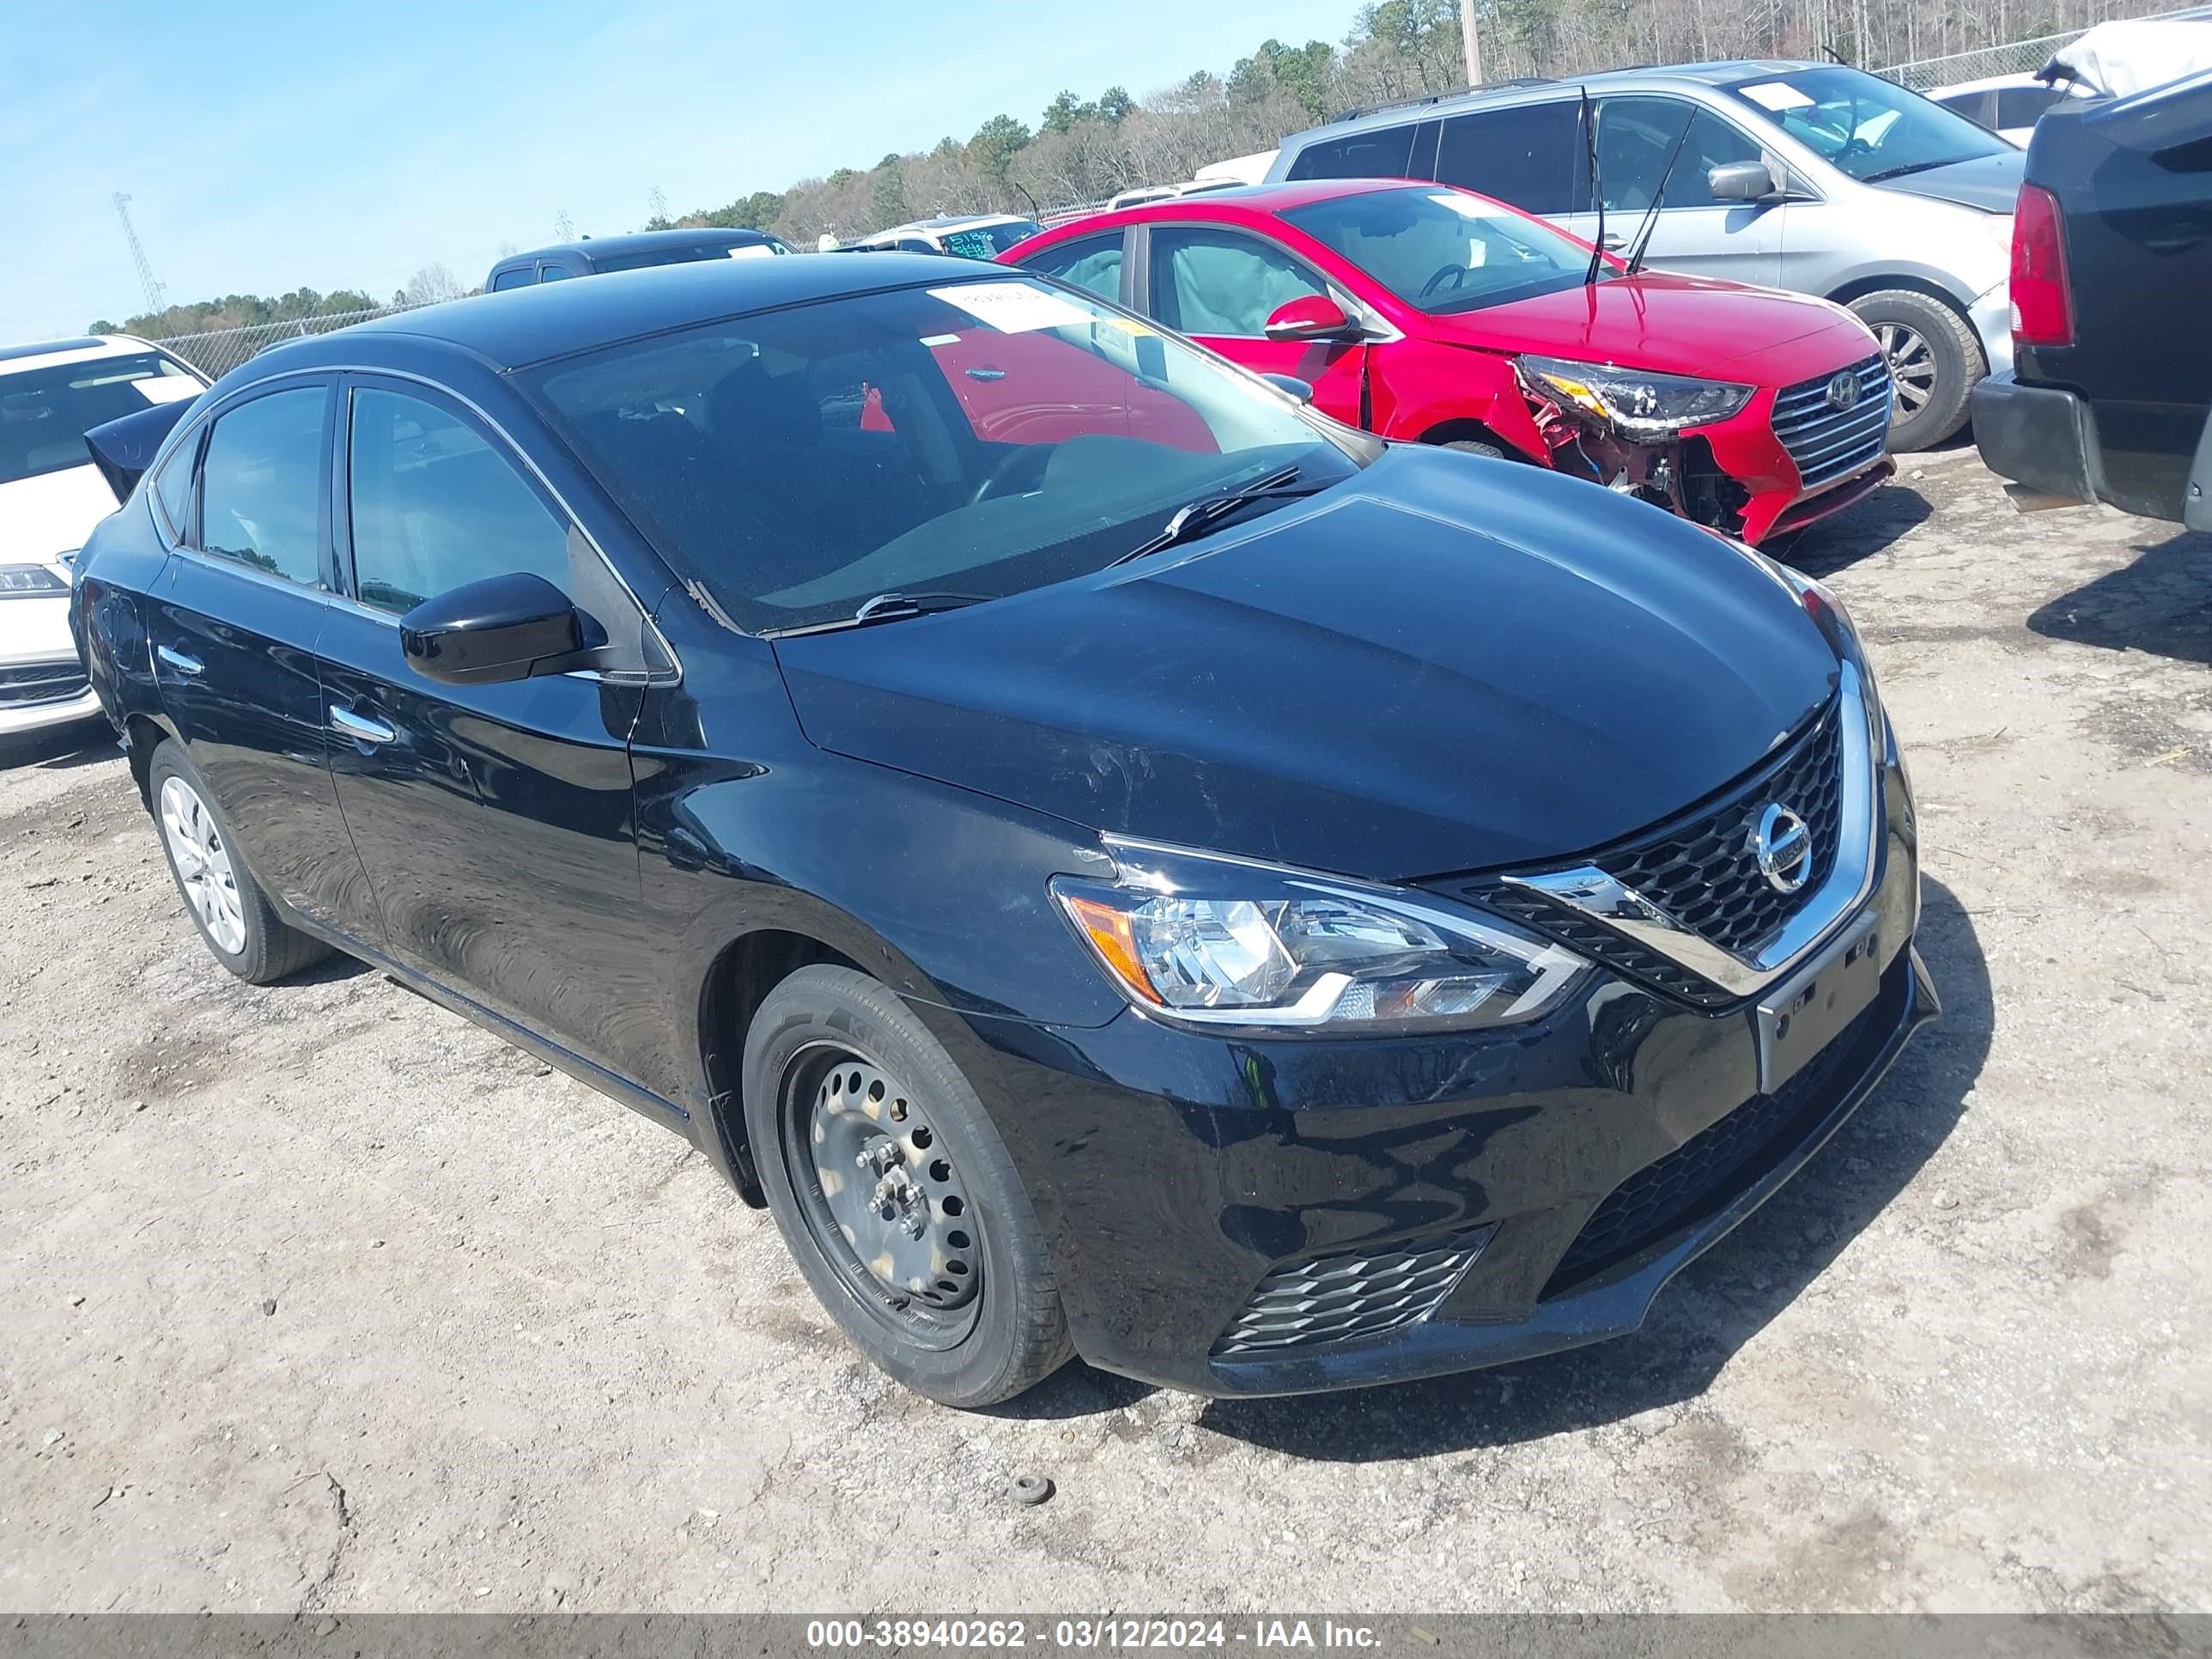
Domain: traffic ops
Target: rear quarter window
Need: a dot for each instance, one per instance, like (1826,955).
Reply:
(1379,152)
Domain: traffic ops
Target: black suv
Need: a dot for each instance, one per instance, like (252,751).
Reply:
(2110,398)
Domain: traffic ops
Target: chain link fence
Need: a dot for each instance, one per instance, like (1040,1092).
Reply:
(2013,58)
(216,352)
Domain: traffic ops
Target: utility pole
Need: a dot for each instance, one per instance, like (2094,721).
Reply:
(1471,41)
(563,227)
(155,291)
(659,200)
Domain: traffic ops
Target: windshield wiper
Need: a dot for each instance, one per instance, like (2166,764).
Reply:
(1193,518)
(883,608)
(1899,172)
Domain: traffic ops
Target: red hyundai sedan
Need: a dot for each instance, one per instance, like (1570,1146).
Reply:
(1432,314)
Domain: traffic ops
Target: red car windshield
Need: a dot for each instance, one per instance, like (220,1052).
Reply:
(1443,250)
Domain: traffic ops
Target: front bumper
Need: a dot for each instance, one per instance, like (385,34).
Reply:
(36,696)
(1179,1176)
(2045,437)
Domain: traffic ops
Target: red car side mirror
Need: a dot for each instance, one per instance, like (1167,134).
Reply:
(1310,317)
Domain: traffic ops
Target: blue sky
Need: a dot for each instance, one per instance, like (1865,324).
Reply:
(269,145)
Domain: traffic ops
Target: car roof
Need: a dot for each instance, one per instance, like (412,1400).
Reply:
(644,241)
(519,326)
(84,349)
(1720,72)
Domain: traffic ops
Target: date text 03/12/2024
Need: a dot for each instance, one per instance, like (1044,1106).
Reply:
(987,1635)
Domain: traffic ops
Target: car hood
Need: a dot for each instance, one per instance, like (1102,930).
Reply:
(1674,324)
(1445,663)
(52,512)
(1989,182)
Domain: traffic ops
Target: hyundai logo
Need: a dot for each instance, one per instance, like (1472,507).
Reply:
(1784,847)
(1842,391)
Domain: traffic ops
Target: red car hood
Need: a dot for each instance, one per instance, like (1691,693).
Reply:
(1674,324)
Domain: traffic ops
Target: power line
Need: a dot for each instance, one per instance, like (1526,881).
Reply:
(155,291)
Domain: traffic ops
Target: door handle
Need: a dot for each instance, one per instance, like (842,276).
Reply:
(360,728)
(183,662)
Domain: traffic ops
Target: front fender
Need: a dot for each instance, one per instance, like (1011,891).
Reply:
(1417,391)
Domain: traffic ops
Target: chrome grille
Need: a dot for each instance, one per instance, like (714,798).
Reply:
(1825,443)
(1702,869)
(1705,874)
(37,682)
(1339,1299)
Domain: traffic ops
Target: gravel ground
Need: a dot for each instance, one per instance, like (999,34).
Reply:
(320,1299)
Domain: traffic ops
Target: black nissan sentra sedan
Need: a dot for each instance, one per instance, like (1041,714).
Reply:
(1116,863)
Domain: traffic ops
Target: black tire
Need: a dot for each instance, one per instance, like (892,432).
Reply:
(1012,1332)
(1472,446)
(264,949)
(1932,349)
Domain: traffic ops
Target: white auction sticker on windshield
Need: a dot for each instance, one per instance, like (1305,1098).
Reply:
(167,388)
(1777,95)
(752,250)
(1467,207)
(1013,307)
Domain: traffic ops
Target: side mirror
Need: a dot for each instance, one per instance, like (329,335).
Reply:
(1311,317)
(1301,390)
(503,628)
(1742,181)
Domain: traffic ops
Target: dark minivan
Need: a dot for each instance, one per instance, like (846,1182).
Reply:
(595,256)
(1116,863)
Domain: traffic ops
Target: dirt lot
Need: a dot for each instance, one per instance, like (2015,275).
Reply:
(319,1297)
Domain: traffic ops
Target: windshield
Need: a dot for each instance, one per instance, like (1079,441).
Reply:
(983,438)
(1867,128)
(1443,250)
(46,412)
(988,241)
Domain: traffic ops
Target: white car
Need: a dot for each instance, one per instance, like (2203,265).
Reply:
(970,235)
(52,495)
(2008,105)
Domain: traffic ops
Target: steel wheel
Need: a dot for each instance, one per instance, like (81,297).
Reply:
(1912,366)
(882,1197)
(202,864)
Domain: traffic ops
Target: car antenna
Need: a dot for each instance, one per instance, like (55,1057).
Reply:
(1658,199)
(1835,56)
(1589,149)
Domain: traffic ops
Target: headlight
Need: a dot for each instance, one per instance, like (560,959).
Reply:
(1634,402)
(1217,941)
(30,581)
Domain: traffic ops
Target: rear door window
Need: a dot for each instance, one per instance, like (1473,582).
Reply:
(1528,154)
(1377,153)
(507,279)
(261,485)
(1223,282)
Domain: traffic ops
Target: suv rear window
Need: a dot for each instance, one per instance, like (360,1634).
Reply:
(1379,153)
(1529,155)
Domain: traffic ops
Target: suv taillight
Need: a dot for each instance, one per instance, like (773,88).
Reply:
(2042,306)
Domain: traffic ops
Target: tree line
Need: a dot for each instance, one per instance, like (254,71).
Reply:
(1084,150)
